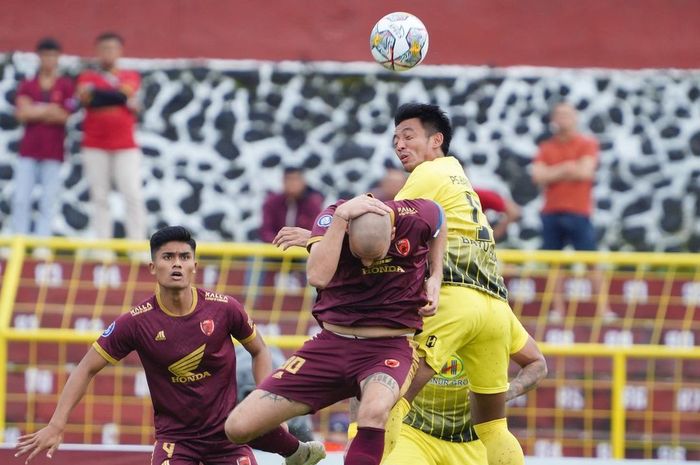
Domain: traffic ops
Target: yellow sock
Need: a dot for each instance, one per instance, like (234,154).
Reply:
(501,446)
(393,425)
(352,430)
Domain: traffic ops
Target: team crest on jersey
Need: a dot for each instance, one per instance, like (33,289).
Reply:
(325,221)
(392,363)
(207,327)
(243,461)
(110,329)
(403,246)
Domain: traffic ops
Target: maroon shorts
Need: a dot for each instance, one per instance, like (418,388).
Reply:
(329,368)
(214,451)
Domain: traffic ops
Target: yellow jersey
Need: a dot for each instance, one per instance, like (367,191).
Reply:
(470,255)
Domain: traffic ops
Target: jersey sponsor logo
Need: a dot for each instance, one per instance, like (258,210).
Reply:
(403,246)
(403,211)
(381,266)
(215,297)
(160,336)
(143,308)
(431,341)
(325,221)
(110,329)
(459,180)
(184,368)
(207,327)
(453,368)
(243,461)
(392,363)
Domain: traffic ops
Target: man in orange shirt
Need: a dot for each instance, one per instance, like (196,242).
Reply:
(564,167)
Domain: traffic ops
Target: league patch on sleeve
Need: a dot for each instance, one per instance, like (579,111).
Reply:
(325,221)
(109,330)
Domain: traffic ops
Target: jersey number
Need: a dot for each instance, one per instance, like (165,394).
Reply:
(293,364)
(169,448)
(482,232)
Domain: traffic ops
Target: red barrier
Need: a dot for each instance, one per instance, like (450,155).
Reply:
(598,33)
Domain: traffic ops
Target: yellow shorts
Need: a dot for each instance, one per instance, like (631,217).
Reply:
(415,447)
(478,328)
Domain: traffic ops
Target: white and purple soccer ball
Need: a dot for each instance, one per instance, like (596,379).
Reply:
(399,41)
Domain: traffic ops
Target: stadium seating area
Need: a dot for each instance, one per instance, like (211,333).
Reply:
(640,354)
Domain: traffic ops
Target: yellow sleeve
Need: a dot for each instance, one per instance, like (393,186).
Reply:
(518,335)
(423,183)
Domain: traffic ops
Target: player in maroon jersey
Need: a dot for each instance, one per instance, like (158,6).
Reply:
(183,337)
(371,290)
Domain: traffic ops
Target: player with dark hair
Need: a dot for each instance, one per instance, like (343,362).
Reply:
(473,296)
(368,260)
(182,335)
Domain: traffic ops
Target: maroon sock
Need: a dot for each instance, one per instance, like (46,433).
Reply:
(367,447)
(278,441)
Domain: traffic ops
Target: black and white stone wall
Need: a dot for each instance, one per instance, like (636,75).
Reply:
(216,135)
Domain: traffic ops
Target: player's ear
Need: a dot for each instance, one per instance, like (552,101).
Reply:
(152,268)
(437,139)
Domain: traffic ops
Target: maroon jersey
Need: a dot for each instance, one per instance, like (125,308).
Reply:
(390,292)
(189,360)
(44,141)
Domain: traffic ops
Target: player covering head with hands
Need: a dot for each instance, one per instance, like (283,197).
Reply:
(368,261)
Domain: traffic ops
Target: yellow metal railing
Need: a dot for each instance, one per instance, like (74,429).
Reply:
(653,313)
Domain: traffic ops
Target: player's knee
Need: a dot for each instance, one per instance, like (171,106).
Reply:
(373,413)
(500,442)
(236,430)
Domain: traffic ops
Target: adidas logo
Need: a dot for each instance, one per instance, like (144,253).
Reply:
(160,336)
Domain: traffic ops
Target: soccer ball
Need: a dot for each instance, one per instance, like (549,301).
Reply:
(399,41)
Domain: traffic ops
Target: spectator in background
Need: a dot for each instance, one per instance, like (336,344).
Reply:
(564,168)
(108,94)
(508,211)
(297,205)
(390,184)
(43,105)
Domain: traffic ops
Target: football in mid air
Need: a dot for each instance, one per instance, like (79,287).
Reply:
(399,41)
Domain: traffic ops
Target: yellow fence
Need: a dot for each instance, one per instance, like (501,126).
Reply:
(619,330)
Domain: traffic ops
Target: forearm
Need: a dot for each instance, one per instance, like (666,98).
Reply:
(31,113)
(56,115)
(323,258)
(262,365)
(105,98)
(437,252)
(527,379)
(73,391)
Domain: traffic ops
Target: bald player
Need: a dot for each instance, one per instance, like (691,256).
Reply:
(368,260)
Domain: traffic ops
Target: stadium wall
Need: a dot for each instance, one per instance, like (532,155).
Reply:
(216,135)
(600,33)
